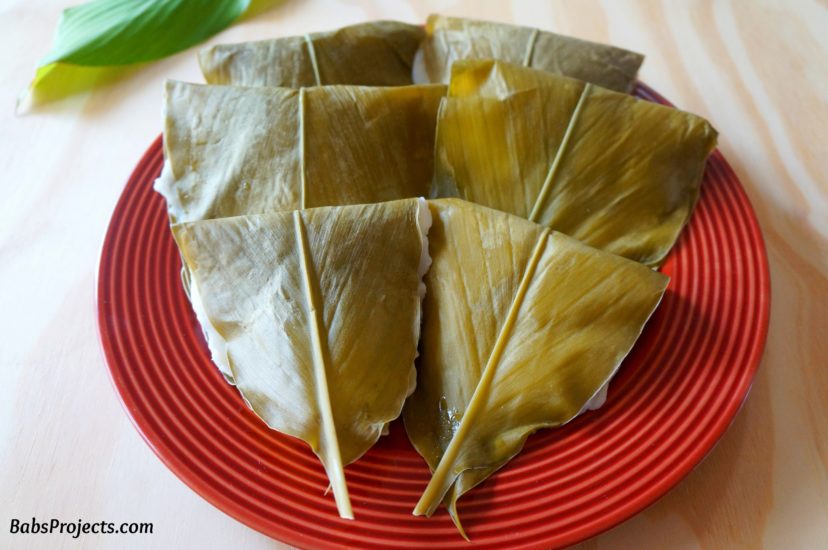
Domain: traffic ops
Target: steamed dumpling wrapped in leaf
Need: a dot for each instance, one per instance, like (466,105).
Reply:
(522,328)
(615,172)
(452,39)
(319,313)
(378,53)
(234,150)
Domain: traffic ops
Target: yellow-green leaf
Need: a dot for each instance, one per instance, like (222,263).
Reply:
(57,81)
(613,171)
(522,328)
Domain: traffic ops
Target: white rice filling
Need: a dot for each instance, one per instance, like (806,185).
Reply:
(216,344)
(165,186)
(600,396)
(418,72)
(424,222)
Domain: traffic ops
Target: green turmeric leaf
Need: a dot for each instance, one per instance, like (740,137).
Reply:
(110,33)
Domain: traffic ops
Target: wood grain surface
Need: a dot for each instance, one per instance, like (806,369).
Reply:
(757,69)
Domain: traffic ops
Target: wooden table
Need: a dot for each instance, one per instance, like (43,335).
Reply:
(757,70)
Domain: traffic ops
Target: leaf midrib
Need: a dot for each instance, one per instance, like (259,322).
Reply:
(439,484)
(332,457)
(551,174)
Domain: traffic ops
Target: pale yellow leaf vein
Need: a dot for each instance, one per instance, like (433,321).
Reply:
(312,55)
(559,155)
(330,453)
(301,129)
(444,476)
(530,48)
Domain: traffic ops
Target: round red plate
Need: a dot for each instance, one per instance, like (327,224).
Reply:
(675,396)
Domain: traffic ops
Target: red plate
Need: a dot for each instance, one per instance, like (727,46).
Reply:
(676,394)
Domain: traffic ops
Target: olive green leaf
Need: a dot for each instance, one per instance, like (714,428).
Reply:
(615,172)
(451,39)
(235,150)
(377,53)
(318,312)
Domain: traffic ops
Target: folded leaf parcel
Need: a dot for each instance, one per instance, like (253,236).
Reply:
(336,298)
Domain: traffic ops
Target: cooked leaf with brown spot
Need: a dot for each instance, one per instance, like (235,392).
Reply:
(318,312)
(522,327)
(233,150)
(379,53)
(452,39)
(615,172)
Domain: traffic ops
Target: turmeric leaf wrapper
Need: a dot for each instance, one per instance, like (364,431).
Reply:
(232,150)
(378,53)
(522,328)
(319,314)
(615,172)
(451,39)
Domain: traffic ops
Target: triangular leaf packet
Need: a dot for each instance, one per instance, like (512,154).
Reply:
(451,39)
(523,327)
(319,314)
(613,171)
(378,53)
(232,150)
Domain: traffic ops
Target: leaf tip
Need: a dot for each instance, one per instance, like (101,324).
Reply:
(23,103)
